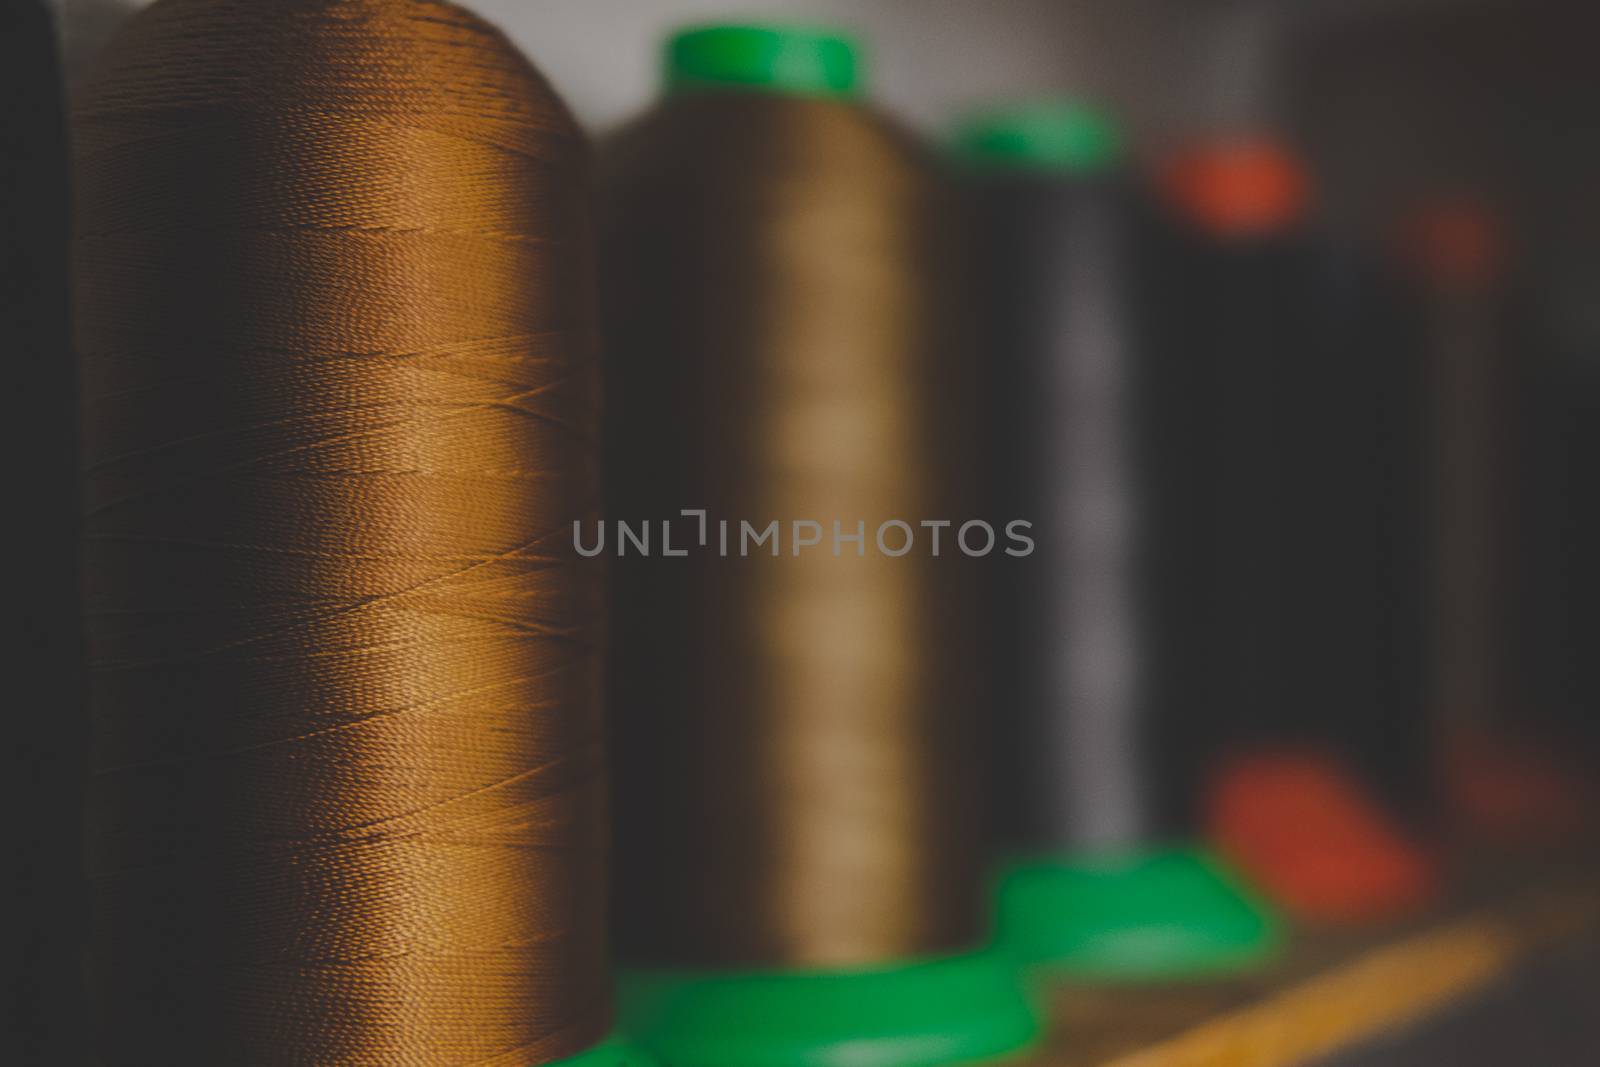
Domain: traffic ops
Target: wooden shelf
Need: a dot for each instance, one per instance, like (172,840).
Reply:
(1335,990)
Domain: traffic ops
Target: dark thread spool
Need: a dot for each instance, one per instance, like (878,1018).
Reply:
(1300,712)
(1556,452)
(1242,306)
(45,755)
(798,878)
(1087,676)
(341,400)
(1369,533)
(1294,361)
(1505,420)
(1458,251)
(1079,636)
(792,733)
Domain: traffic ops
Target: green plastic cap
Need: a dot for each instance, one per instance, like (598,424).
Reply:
(936,1012)
(1052,135)
(1137,915)
(800,62)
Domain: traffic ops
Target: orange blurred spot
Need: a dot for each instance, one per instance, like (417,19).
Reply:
(1456,241)
(1516,791)
(1243,187)
(1311,837)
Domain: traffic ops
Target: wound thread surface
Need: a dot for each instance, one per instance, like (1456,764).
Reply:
(347,795)
(794,730)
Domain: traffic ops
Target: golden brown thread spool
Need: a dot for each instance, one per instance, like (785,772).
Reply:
(341,400)
(795,788)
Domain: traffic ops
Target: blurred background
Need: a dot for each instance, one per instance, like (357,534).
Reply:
(1390,101)
(1387,97)
(1440,132)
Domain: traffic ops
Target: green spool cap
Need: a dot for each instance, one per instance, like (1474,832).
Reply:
(1144,915)
(612,1052)
(932,1013)
(775,59)
(1052,135)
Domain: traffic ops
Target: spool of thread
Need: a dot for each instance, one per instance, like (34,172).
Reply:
(1240,307)
(341,396)
(1286,561)
(796,851)
(1504,772)
(1558,448)
(44,754)
(1460,252)
(1083,640)
(1369,520)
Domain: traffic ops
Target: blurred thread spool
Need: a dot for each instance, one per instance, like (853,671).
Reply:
(1505,764)
(1240,305)
(341,394)
(1369,538)
(1067,432)
(1459,252)
(793,732)
(1083,645)
(776,340)
(1289,524)
(1304,379)
(45,750)
(1557,455)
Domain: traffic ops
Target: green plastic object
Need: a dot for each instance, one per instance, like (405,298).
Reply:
(614,1051)
(777,59)
(1146,915)
(932,1013)
(1054,135)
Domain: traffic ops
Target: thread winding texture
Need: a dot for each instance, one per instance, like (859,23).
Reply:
(792,730)
(341,396)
